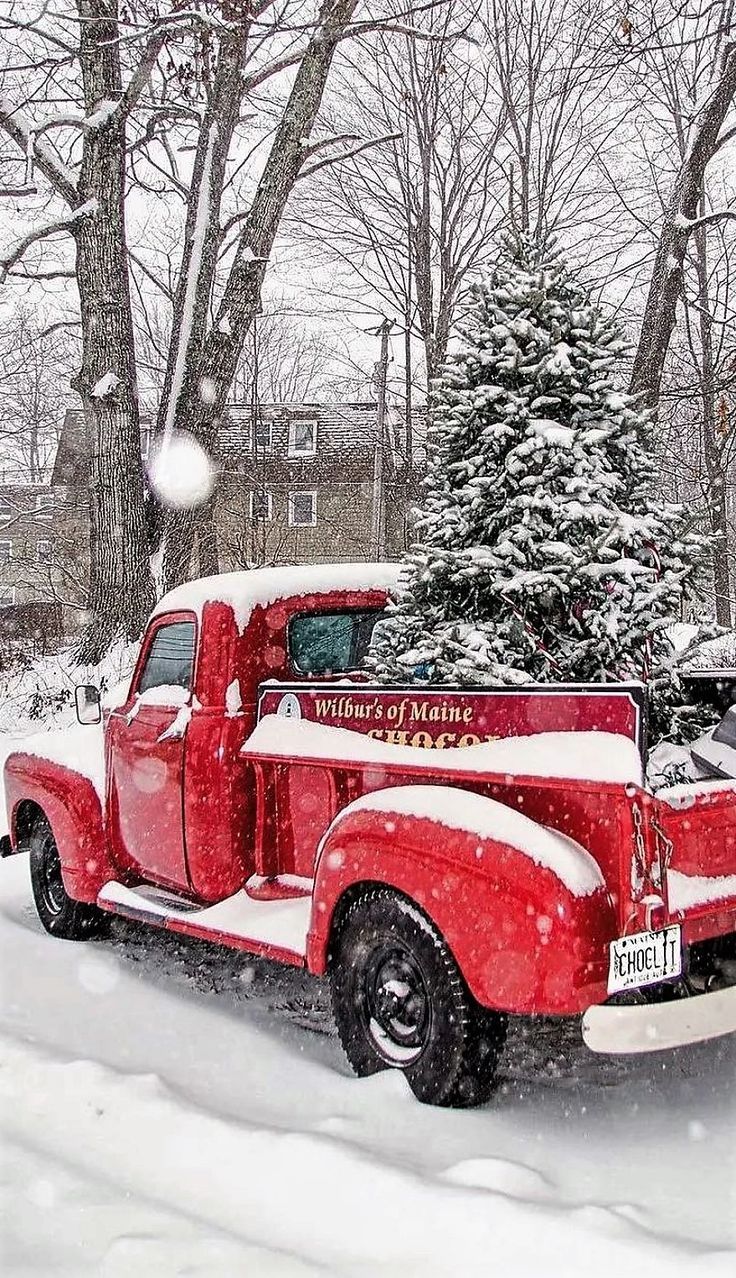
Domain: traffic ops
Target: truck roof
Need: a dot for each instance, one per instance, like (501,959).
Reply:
(244,591)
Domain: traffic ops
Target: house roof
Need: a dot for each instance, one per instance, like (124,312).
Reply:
(341,428)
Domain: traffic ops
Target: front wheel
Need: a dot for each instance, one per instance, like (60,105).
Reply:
(400,1002)
(60,914)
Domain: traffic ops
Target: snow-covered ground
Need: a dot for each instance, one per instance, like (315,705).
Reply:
(170,1109)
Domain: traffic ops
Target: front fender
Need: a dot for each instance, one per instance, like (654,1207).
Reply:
(524,940)
(73,808)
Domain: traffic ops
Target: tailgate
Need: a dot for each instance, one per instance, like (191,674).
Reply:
(699,827)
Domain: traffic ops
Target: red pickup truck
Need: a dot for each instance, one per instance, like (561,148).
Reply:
(448,857)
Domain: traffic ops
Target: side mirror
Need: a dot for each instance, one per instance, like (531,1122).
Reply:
(87,701)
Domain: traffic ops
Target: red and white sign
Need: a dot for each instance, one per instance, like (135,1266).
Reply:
(438,718)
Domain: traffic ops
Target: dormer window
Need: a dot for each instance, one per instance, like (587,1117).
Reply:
(302,437)
(262,435)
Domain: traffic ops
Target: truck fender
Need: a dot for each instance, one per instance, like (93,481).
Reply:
(73,808)
(524,939)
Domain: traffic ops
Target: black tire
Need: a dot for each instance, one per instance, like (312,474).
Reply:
(400,1002)
(61,915)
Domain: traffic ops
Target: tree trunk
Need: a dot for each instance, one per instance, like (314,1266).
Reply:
(660,312)
(196,279)
(712,451)
(121,590)
(215,369)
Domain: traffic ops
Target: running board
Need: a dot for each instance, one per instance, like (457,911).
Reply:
(274,928)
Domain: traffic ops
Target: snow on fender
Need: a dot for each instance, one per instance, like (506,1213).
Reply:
(524,909)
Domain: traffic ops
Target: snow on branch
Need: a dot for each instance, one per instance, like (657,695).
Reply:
(694,223)
(344,155)
(394,25)
(170,23)
(19,126)
(42,232)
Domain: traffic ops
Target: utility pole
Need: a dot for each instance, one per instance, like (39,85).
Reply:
(378,523)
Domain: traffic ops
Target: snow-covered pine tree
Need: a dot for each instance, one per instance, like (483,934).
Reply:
(543,552)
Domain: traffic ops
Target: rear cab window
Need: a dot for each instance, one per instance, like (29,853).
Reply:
(331,643)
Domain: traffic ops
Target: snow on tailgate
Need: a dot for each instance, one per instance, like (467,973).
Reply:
(686,891)
(461,810)
(244,591)
(583,756)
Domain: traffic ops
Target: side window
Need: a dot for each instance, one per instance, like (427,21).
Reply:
(327,643)
(170,660)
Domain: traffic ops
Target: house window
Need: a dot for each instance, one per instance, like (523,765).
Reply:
(44,505)
(302,438)
(263,435)
(6,551)
(261,505)
(43,551)
(7,596)
(302,509)
(6,510)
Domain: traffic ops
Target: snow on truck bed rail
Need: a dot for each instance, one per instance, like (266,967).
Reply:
(580,756)
(244,591)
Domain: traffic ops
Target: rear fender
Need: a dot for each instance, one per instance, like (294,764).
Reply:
(73,809)
(523,940)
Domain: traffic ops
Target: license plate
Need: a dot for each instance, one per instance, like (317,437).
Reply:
(644,959)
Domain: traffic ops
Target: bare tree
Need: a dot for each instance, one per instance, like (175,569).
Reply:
(128,80)
(672,156)
(406,222)
(555,63)
(703,130)
(93,189)
(35,361)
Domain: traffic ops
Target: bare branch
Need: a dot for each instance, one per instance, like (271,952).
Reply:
(43,232)
(20,128)
(347,155)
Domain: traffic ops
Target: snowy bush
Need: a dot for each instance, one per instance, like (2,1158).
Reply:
(42,692)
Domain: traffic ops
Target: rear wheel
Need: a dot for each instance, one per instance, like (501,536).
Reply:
(60,914)
(400,1003)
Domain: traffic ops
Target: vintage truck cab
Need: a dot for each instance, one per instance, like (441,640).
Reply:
(448,857)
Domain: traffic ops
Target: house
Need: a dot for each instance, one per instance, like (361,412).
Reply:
(298,483)
(39,561)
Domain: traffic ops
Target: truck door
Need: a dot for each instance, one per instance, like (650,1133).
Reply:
(146,750)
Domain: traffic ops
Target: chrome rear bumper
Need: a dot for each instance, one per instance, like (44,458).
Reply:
(653,1027)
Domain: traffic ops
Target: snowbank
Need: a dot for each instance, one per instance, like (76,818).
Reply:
(244,591)
(583,756)
(169,1108)
(461,810)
